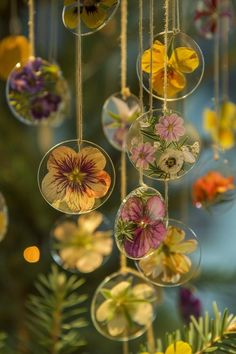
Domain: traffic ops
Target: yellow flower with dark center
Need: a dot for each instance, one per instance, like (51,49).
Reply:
(222,129)
(13,50)
(93,13)
(183,60)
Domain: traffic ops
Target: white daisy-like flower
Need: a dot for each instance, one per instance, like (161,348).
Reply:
(171,162)
(125,305)
(188,155)
(126,114)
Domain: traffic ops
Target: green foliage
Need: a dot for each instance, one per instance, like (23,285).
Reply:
(54,314)
(205,335)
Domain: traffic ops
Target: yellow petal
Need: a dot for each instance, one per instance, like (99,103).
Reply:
(65,231)
(120,289)
(184,60)
(117,325)
(89,262)
(228,115)
(94,19)
(179,348)
(95,156)
(143,291)
(174,236)
(90,222)
(158,55)
(50,189)
(100,186)
(226,138)
(176,82)
(178,263)
(78,201)
(210,120)
(59,154)
(104,310)
(184,247)
(71,17)
(103,244)
(142,313)
(70,256)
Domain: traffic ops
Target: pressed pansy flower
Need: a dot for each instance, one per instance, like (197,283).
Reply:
(142,155)
(183,60)
(126,307)
(93,13)
(82,245)
(170,262)
(212,188)
(75,180)
(139,227)
(170,128)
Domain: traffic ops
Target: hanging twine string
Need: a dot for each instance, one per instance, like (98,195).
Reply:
(151,29)
(217,80)
(177,15)
(31,27)
(225,51)
(53,41)
(15,25)
(150,340)
(174,15)
(124,14)
(125,347)
(123,259)
(79,91)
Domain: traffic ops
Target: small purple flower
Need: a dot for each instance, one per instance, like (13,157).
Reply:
(42,107)
(28,78)
(142,155)
(149,229)
(189,304)
(121,134)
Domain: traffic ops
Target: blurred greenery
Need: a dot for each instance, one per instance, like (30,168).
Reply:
(31,218)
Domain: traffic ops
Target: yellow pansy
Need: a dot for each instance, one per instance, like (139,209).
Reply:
(183,60)
(13,50)
(179,347)
(93,13)
(222,130)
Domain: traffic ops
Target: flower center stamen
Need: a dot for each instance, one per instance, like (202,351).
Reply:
(170,162)
(76,176)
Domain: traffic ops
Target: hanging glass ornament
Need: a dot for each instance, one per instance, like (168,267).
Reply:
(118,113)
(185,66)
(214,187)
(139,227)
(124,305)
(82,244)
(3,217)
(93,15)
(221,128)
(177,259)
(76,177)
(37,92)
(162,145)
(13,50)
(206,16)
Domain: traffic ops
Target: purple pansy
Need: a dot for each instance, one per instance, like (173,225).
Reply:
(42,107)
(149,231)
(189,304)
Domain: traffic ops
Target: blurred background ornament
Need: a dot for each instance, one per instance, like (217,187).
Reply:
(123,306)
(82,244)
(76,177)
(189,304)
(139,227)
(92,16)
(176,261)
(3,217)
(163,145)
(37,93)
(119,112)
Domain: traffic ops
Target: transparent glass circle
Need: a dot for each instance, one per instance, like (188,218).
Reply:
(220,127)
(185,66)
(3,217)
(162,145)
(118,113)
(93,14)
(82,244)
(139,227)
(176,261)
(123,306)
(76,177)
(206,14)
(214,188)
(37,92)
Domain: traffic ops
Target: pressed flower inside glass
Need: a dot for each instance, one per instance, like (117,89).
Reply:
(3,217)
(93,14)
(37,92)
(176,260)
(124,305)
(185,66)
(82,244)
(76,178)
(162,145)
(118,113)
(139,227)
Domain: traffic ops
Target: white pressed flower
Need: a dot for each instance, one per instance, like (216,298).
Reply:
(171,162)
(188,156)
(195,148)
(157,144)
(144,123)
(124,111)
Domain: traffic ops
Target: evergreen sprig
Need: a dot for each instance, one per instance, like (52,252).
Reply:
(205,334)
(54,314)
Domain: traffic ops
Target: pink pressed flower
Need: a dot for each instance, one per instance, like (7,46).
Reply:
(142,155)
(149,230)
(170,128)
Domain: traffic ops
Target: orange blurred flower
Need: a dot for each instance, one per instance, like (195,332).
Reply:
(13,50)
(210,186)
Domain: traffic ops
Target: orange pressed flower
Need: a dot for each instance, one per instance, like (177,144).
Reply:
(211,186)
(13,50)
(183,60)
